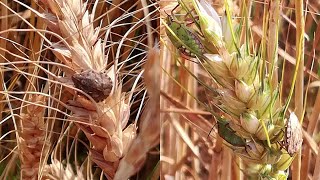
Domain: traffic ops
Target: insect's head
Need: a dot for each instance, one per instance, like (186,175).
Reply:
(169,18)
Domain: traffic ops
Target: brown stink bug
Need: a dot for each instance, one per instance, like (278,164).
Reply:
(293,135)
(96,84)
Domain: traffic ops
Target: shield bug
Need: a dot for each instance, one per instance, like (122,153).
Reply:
(184,38)
(229,135)
(96,84)
(293,135)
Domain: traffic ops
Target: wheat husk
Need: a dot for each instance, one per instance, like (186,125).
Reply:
(57,171)
(150,121)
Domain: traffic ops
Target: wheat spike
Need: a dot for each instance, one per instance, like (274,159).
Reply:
(252,118)
(101,106)
(33,144)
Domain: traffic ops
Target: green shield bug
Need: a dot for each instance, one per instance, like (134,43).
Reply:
(183,38)
(229,135)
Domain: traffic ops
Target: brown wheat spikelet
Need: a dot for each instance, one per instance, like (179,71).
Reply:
(150,122)
(33,144)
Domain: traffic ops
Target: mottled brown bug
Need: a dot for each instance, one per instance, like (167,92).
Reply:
(96,84)
(293,135)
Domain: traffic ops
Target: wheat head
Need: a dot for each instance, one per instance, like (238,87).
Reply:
(33,144)
(254,124)
(101,110)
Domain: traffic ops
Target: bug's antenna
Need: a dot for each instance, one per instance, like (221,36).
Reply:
(211,130)
(174,9)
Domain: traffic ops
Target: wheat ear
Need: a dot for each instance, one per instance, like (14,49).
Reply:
(101,110)
(254,125)
(32,142)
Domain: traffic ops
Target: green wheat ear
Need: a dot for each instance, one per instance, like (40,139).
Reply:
(255,125)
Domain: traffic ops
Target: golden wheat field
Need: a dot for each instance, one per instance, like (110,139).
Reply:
(167,89)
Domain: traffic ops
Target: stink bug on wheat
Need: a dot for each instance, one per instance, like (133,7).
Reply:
(229,135)
(96,84)
(293,135)
(183,38)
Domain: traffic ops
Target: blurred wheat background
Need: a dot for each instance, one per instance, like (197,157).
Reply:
(79,89)
(191,147)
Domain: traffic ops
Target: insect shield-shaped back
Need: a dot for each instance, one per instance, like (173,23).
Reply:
(293,135)
(96,84)
(184,39)
(229,135)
